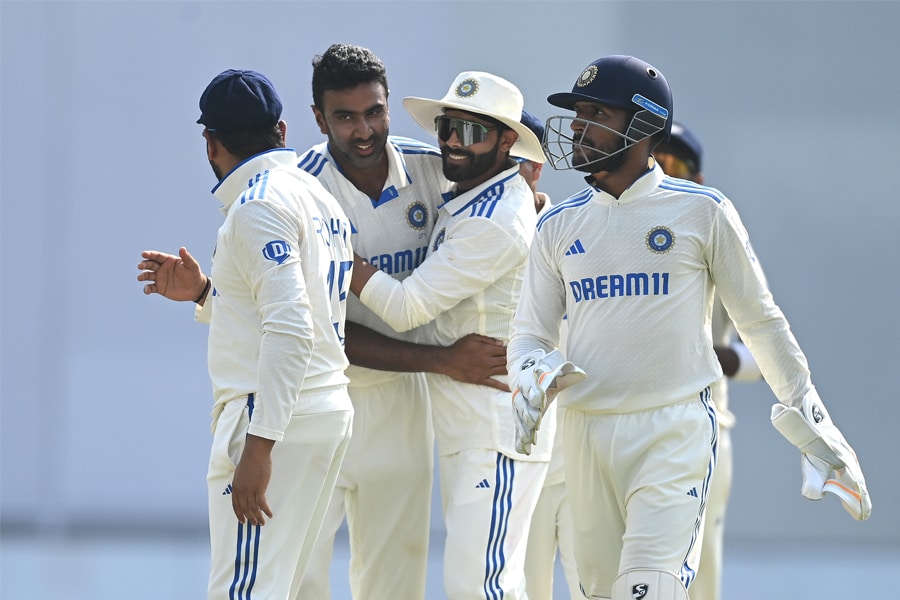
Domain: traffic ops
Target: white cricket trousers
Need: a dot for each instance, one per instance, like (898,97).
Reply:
(638,484)
(384,487)
(708,584)
(488,499)
(551,530)
(266,562)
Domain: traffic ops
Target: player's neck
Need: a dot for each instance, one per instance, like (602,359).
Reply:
(616,182)
(370,181)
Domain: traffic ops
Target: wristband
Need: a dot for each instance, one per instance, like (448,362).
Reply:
(204,292)
(747,370)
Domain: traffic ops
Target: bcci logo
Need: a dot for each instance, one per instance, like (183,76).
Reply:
(277,250)
(639,591)
(660,239)
(438,240)
(417,215)
(467,88)
(587,76)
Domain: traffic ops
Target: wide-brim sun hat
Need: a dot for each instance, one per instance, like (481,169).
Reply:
(482,94)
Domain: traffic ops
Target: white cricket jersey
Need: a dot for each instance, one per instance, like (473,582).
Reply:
(723,334)
(391,232)
(281,275)
(470,283)
(636,276)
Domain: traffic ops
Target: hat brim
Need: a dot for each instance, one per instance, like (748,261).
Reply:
(567,100)
(424,110)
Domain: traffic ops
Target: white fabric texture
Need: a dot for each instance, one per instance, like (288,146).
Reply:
(277,327)
(391,232)
(638,273)
(470,283)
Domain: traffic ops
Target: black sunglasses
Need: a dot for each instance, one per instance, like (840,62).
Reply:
(468,132)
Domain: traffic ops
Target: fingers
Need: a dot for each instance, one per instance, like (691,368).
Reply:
(495,383)
(188,259)
(156,257)
(251,508)
(486,340)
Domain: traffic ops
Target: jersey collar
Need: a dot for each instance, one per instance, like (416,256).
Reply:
(245,175)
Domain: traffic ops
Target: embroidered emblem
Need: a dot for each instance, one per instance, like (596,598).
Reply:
(467,88)
(417,215)
(587,76)
(660,239)
(438,240)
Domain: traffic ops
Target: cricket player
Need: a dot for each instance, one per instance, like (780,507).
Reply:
(390,188)
(470,282)
(282,416)
(633,261)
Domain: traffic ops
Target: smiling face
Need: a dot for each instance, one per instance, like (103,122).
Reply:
(474,164)
(356,121)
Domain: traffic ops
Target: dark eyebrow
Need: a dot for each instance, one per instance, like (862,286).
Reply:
(376,106)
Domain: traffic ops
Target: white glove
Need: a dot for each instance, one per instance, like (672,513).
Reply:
(828,463)
(536,381)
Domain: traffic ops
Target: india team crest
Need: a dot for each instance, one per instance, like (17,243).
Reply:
(587,76)
(660,239)
(417,215)
(439,239)
(467,88)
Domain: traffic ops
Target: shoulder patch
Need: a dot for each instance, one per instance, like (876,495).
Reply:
(277,251)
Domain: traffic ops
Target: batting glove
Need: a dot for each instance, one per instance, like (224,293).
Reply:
(538,379)
(828,463)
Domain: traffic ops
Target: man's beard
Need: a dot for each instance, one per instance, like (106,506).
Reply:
(216,170)
(477,165)
(611,163)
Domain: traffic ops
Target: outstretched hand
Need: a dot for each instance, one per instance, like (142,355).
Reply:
(477,359)
(174,277)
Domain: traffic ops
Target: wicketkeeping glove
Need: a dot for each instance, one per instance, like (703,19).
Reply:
(828,463)
(536,382)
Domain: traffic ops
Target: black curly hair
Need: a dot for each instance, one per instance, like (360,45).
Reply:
(345,66)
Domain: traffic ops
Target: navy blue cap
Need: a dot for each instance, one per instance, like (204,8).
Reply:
(684,145)
(624,82)
(534,124)
(239,100)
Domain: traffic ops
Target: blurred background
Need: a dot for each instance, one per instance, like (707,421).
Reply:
(104,421)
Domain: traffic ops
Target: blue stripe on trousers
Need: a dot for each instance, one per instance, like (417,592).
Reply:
(495,560)
(245,568)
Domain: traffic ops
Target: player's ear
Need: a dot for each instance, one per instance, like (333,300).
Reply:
(212,145)
(282,127)
(509,138)
(320,120)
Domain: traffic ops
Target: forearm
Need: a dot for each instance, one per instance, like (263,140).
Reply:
(368,348)
(362,272)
